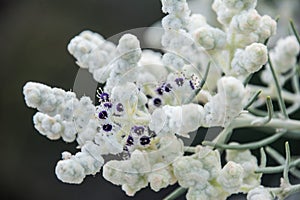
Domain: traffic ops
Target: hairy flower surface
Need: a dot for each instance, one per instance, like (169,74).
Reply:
(151,102)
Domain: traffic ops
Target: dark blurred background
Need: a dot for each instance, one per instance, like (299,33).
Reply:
(33,39)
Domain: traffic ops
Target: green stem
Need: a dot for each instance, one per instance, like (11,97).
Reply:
(267,119)
(267,91)
(251,145)
(281,160)
(246,119)
(287,163)
(277,169)
(175,194)
(278,89)
(253,98)
(294,30)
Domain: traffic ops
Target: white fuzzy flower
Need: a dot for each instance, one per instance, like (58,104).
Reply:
(129,48)
(73,169)
(249,60)
(259,193)
(176,119)
(61,113)
(210,160)
(190,173)
(175,6)
(173,61)
(231,177)
(226,9)
(226,104)
(285,53)
(161,176)
(69,171)
(210,38)
(92,52)
(249,164)
(196,21)
(267,28)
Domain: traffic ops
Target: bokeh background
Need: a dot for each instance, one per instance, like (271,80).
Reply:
(33,39)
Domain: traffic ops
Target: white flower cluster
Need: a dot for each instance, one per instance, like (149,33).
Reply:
(249,164)
(227,104)
(203,175)
(283,57)
(148,100)
(146,167)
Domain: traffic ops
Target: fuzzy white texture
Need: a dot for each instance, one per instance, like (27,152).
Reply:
(190,173)
(175,6)
(61,113)
(177,119)
(226,9)
(172,60)
(145,166)
(73,169)
(228,103)
(161,177)
(210,160)
(93,52)
(211,192)
(231,177)
(284,55)
(196,21)
(259,193)
(123,67)
(249,60)
(249,164)
(210,38)
(202,174)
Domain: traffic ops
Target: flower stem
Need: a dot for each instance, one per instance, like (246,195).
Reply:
(176,193)
(251,145)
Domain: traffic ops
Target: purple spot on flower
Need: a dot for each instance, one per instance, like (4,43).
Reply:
(129,140)
(104,97)
(107,127)
(120,107)
(168,87)
(160,91)
(144,140)
(103,114)
(157,102)
(138,130)
(192,85)
(107,104)
(179,81)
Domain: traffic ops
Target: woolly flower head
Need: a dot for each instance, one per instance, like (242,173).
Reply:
(249,60)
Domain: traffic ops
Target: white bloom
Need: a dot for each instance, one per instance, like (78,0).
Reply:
(175,6)
(259,193)
(129,48)
(285,53)
(161,177)
(173,61)
(210,160)
(92,52)
(226,104)
(249,60)
(69,171)
(196,21)
(210,38)
(249,164)
(176,119)
(190,173)
(231,177)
